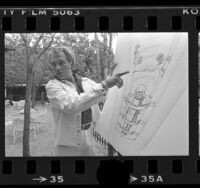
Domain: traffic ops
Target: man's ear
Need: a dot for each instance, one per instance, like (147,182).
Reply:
(72,67)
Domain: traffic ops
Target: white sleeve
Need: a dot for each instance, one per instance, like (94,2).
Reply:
(97,87)
(67,102)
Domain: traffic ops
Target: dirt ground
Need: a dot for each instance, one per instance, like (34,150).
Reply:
(43,145)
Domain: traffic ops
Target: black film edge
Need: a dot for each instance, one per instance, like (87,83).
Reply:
(148,131)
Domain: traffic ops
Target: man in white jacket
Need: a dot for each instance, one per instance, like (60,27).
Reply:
(74,102)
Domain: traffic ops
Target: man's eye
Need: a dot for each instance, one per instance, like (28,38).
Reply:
(61,63)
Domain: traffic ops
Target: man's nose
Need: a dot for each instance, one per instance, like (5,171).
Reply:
(58,67)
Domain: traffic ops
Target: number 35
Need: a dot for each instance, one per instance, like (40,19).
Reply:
(56,179)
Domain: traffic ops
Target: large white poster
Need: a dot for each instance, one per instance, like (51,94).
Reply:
(149,101)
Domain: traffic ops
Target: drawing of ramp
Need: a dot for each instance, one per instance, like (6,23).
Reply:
(168,88)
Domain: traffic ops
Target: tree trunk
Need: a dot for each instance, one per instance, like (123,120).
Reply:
(34,90)
(110,47)
(106,62)
(110,41)
(105,72)
(98,65)
(98,59)
(42,99)
(26,133)
(30,64)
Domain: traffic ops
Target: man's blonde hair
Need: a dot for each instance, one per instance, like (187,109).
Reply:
(64,52)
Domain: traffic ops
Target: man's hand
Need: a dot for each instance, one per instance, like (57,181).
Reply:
(114,80)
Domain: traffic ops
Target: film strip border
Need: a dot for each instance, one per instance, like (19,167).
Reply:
(177,169)
(83,20)
(79,172)
(55,24)
(70,171)
(153,166)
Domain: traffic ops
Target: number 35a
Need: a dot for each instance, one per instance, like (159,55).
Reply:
(56,179)
(151,179)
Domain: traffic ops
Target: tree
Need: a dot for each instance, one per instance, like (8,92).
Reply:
(111,64)
(14,60)
(106,54)
(31,60)
(98,58)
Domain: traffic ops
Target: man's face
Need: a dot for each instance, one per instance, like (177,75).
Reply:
(61,68)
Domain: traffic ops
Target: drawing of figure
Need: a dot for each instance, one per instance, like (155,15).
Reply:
(138,58)
(161,66)
(130,123)
(162,63)
(136,103)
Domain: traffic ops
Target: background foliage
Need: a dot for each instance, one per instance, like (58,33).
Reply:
(85,49)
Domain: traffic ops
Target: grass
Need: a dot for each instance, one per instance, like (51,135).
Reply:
(44,144)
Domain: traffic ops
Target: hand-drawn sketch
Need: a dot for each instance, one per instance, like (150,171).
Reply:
(158,77)
(138,58)
(130,123)
(161,66)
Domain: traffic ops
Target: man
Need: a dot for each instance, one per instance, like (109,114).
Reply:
(74,101)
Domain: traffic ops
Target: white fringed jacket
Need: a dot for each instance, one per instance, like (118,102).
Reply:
(67,106)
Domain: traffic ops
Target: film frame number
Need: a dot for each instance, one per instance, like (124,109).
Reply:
(56,179)
(151,179)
